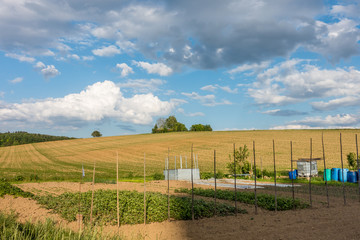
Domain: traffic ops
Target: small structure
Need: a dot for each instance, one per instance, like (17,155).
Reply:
(182,173)
(307,167)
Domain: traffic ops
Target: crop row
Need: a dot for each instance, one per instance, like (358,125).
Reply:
(131,207)
(266,201)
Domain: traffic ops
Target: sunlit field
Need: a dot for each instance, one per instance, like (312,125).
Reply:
(63,160)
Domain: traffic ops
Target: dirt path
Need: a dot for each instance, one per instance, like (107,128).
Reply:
(320,222)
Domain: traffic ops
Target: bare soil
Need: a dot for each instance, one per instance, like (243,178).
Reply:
(339,221)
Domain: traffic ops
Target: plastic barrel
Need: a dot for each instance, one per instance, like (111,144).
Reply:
(328,174)
(351,177)
(345,175)
(335,174)
(292,175)
(296,172)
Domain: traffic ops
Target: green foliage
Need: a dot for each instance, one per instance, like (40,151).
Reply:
(131,207)
(200,127)
(158,176)
(34,177)
(18,138)
(265,201)
(168,125)
(208,175)
(96,133)
(19,178)
(241,164)
(352,160)
(10,228)
(8,189)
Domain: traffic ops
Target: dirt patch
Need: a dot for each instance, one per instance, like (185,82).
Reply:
(319,222)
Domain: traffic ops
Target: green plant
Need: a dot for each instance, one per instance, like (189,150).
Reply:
(241,165)
(8,189)
(265,201)
(158,176)
(352,160)
(34,177)
(19,178)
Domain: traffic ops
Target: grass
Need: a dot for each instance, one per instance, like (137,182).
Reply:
(63,160)
(11,229)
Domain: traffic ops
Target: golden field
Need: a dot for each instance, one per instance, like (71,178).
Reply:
(61,160)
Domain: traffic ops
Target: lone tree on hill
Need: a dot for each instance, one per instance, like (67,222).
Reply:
(168,125)
(96,134)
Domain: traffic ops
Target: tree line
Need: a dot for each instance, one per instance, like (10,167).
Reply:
(171,124)
(18,138)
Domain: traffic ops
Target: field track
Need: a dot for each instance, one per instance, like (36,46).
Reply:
(62,160)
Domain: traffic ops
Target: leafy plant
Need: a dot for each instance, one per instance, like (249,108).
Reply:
(131,207)
(158,176)
(241,165)
(265,201)
(19,178)
(8,189)
(352,160)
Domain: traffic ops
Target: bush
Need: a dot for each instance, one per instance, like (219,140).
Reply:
(19,178)
(158,176)
(34,177)
(8,189)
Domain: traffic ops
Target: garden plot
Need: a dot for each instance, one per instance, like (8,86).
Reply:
(240,184)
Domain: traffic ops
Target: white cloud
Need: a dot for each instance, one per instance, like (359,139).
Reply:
(350,10)
(73,56)
(252,68)
(21,58)
(125,69)
(330,121)
(48,71)
(97,102)
(2,94)
(142,85)
(155,68)
(212,88)
(17,80)
(108,51)
(206,100)
(87,58)
(195,114)
(296,80)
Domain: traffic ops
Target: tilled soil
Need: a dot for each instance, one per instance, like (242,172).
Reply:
(339,221)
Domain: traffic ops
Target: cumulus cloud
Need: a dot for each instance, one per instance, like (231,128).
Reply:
(206,100)
(108,51)
(330,121)
(21,58)
(154,68)
(177,33)
(296,80)
(124,69)
(17,80)
(48,71)
(97,102)
(251,68)
(142,85)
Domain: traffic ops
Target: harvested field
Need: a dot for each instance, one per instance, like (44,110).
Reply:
(60,160)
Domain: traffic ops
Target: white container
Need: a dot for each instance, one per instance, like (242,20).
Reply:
(303,168)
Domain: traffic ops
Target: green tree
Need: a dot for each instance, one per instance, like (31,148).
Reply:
(168,125)
(352,161)
(96,134)
(200,127)
(241,164)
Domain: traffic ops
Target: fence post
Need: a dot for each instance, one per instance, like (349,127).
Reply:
(310,172)
(292,175)
(235,190)
(274,175)
(144,191)
(92,196)
(168,190)
(215,182)
(357,160)
(325,173)
(192,183)
(342,170)
(117,190)
(256,207)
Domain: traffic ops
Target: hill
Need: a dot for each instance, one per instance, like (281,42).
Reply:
(62,160)
(18,138)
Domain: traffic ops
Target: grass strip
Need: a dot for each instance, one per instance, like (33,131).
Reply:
(11,229)
(131,207)
(8,189)
(266,201)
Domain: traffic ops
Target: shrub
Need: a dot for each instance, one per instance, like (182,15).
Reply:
(8,189)
(19,178)
(158,176)
(34,177)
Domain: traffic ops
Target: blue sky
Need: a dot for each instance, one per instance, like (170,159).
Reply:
(71,67)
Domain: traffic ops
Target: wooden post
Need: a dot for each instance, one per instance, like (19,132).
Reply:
(215,182)
(235,190)
(261,168)
(144,192)
(168,190)
(80,216)
(117,190)
(342,170)
(92,195)
(325,173)
(310,172)
(274,175)
(256,207)
(192,184)
(292,179)
(357,160)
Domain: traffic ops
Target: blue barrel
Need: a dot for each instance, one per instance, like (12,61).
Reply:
(296,172)
(351,177)
(327,175)
(335,174)
(292,175)
(345,175)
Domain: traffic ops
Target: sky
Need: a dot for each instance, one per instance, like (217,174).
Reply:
(71,67)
